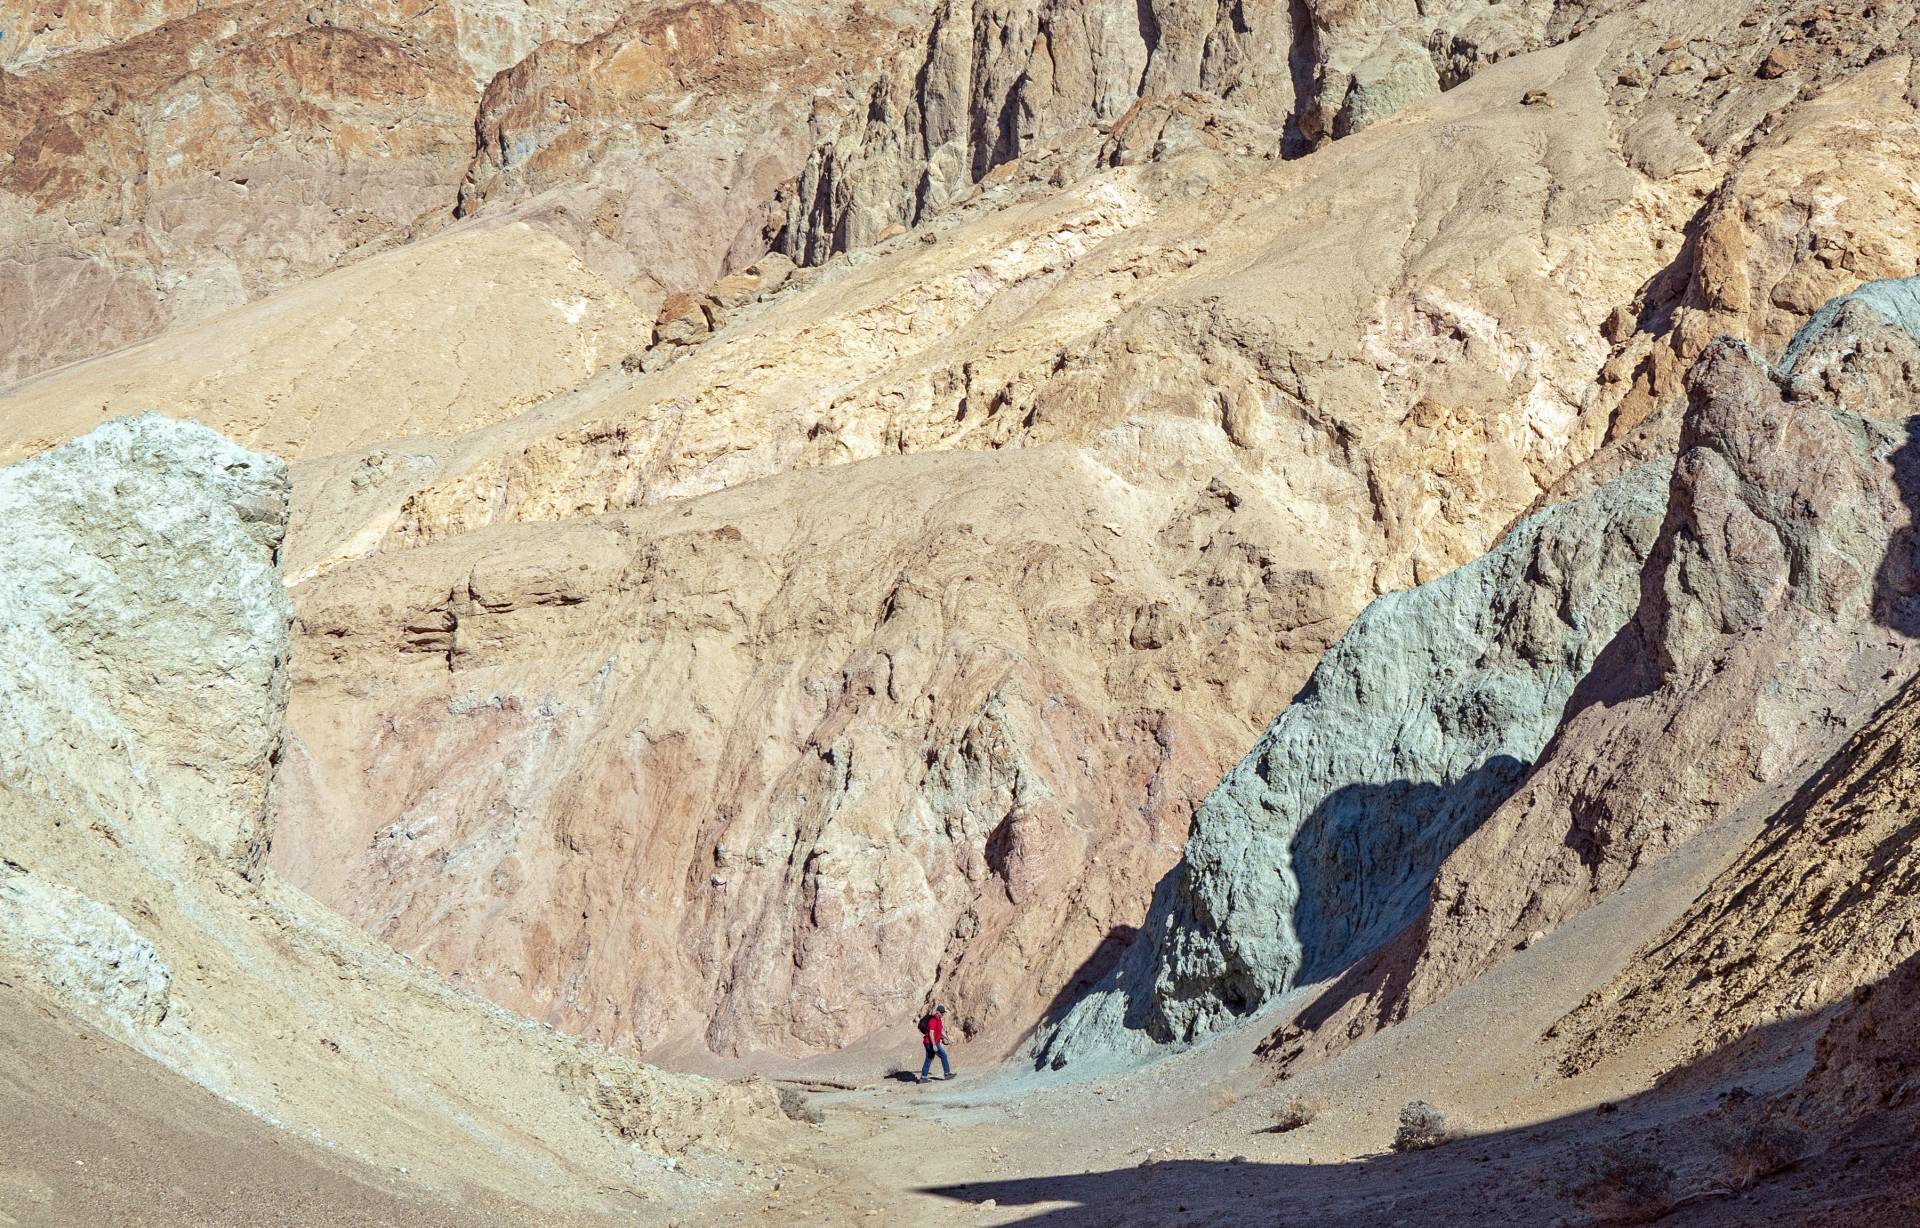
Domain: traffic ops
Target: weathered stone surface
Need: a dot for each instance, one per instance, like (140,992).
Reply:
(1417,723)
(983,86)
(85,951)
(764,768)
(135,641)
(203,162)
(657,148)
(144,631)
(167,162)
(1777,614)
(1825,902)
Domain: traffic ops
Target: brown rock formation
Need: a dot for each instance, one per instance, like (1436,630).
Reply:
(203,162)
(1825,903)
(759,768)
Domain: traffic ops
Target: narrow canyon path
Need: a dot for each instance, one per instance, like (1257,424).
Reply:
(1189,1140)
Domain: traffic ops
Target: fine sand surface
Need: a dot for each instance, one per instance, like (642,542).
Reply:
(93,1134)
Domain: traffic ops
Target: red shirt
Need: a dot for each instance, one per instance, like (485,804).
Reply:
(933,1029)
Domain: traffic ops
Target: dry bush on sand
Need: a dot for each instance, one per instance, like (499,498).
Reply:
(1625,1184)
(1422,1126)
(1760,1148)
(799,1108)
(1295,1112)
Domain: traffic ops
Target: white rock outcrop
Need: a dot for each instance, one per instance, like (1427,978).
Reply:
(144,630)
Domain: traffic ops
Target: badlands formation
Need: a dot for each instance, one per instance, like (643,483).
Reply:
(570,567)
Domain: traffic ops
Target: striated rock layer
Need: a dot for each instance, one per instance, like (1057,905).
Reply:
(144,674)
(758,769)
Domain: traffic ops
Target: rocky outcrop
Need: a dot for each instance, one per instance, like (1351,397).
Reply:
(1768,629)
(168,162)
(986,85)
(134,643)
(1418,722)
(1864,1064)
(1825,903)
(206,161)
(656,148)
(145,636)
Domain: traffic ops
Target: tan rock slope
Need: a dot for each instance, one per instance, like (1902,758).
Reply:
(1288,385)
(145,630)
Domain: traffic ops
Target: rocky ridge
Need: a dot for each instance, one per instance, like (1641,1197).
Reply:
(1768,630)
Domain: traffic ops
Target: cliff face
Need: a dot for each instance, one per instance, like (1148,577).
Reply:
(754,770)
(1416,724)
(146,669)
(144,677)
(987,84)
(1776,616)
(206,160)
(167,162)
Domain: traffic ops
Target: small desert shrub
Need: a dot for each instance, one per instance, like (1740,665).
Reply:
(1422,1126)
(1223,1099)
(797,1107)
(1294,1112)
(1760,1148)
(1625,1184)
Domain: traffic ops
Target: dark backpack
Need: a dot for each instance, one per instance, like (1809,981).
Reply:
(926,1027)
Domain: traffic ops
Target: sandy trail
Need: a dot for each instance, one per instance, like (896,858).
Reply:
(1188,1140)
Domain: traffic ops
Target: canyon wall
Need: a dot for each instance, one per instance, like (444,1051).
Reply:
(1777,615)
(145,675)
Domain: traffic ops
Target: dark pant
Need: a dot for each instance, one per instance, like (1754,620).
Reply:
(926,1067)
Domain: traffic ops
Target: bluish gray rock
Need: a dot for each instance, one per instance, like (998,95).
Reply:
(1418,722)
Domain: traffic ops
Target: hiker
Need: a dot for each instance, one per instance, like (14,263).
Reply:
(933,1036)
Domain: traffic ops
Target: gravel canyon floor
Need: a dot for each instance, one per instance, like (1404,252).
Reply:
(1338,580)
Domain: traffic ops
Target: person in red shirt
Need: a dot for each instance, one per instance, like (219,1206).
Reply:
(933,1036)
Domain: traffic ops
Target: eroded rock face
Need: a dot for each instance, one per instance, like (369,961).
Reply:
(143,668)
(1418,722)
(1777,614)
(203,162)
(984,86)
(1825,903)
(1864,1064)
(169,162)
(764,768)
(145,639)
(657,147)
